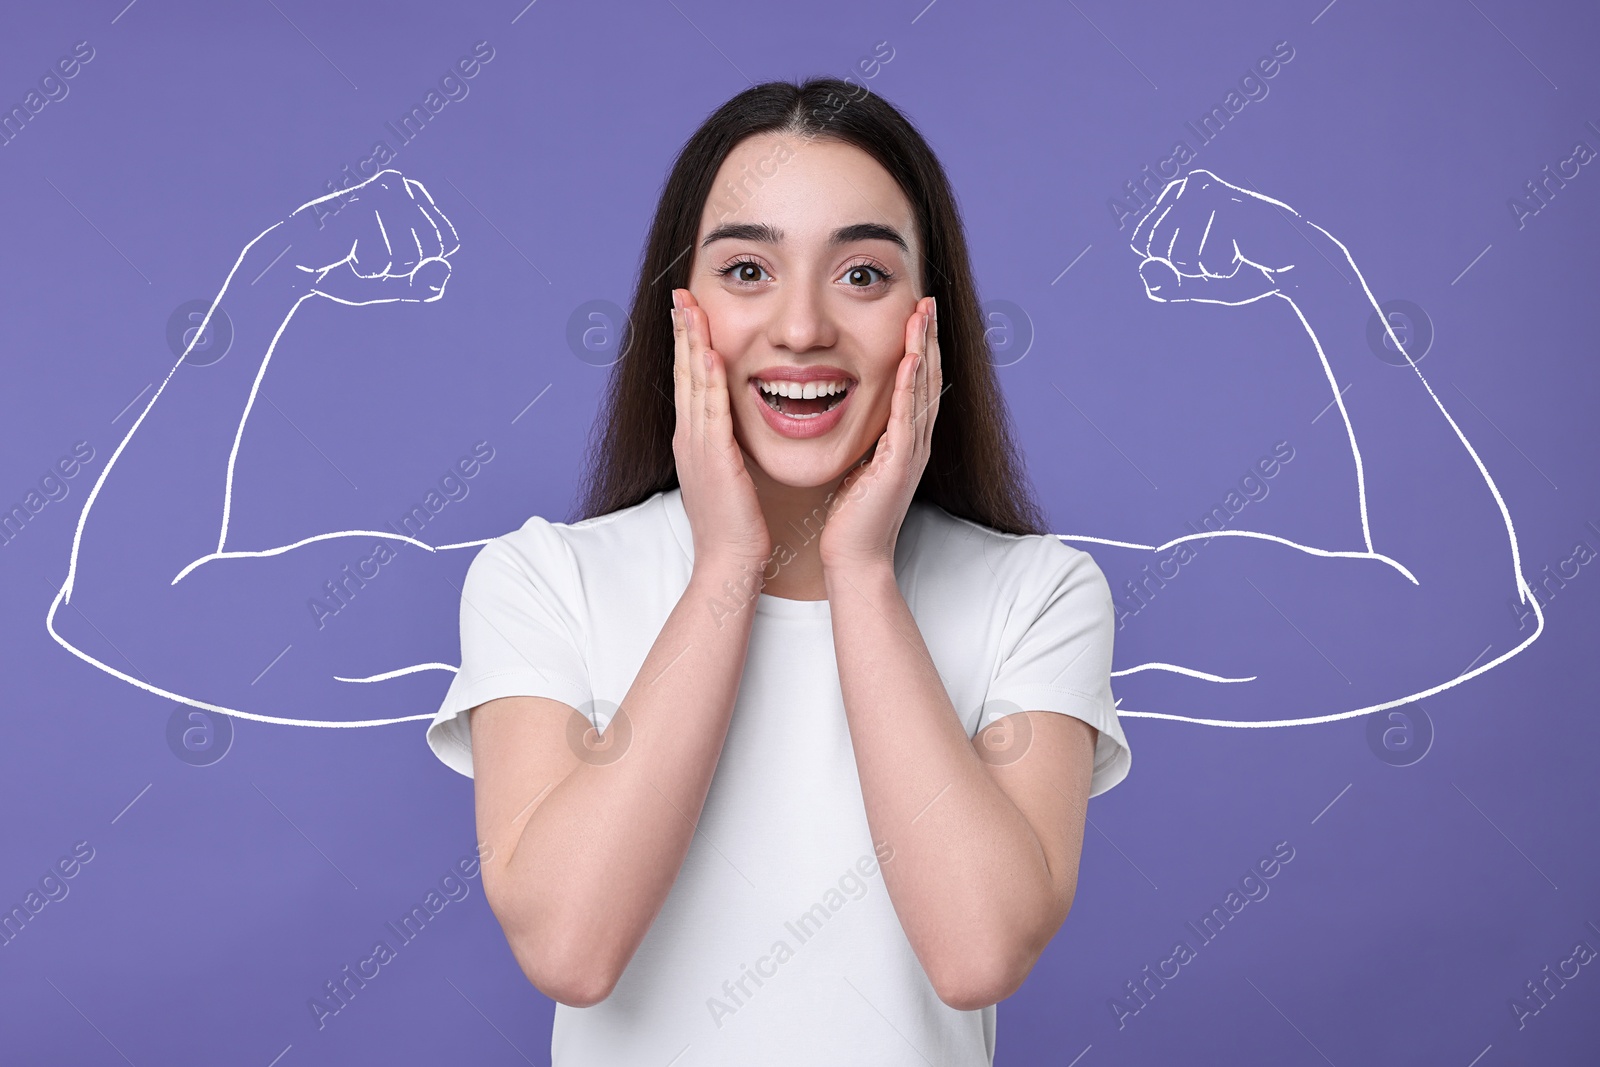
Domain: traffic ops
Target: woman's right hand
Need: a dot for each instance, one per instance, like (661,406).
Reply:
(719,495)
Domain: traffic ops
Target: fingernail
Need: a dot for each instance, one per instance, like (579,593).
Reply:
(935,302)
(674,313)
(677,301)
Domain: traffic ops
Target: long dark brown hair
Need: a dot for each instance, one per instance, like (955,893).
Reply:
(973,469)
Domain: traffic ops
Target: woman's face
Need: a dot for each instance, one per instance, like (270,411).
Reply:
(800,267)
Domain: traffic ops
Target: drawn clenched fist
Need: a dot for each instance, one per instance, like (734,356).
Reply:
(389,241)
(1208,241)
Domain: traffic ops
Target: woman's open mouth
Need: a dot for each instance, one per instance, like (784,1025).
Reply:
(802,401)
(802,409)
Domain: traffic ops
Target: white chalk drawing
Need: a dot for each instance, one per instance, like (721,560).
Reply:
(413,266)
(398,251)
(1217,271)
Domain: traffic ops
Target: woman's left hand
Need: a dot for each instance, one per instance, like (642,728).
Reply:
(866,511)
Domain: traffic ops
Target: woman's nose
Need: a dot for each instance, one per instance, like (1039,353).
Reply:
(801,322)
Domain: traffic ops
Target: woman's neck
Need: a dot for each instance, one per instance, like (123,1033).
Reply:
(795,517)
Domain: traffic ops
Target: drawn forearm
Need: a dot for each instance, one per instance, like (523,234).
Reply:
(1431,501)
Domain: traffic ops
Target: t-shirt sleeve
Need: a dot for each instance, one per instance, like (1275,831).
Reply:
(521,627)
(1056,654)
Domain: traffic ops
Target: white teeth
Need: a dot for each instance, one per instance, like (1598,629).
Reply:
(771,391)
(799,391)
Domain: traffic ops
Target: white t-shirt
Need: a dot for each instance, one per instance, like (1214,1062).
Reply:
(778,944)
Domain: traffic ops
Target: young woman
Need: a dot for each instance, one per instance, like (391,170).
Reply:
(782,752)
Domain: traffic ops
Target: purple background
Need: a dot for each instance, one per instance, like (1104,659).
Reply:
(1421,898)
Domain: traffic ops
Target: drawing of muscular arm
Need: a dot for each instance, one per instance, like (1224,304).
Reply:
(156,587)
(1413,620)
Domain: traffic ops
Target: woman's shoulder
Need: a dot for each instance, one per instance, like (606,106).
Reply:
(630,534)
(942,534)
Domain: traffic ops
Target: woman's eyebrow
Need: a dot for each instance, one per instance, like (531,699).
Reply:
(761,231)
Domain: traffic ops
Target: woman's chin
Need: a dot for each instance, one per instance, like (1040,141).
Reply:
(801,465)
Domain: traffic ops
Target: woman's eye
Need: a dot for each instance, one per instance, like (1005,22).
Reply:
(745,271)
(864,270)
